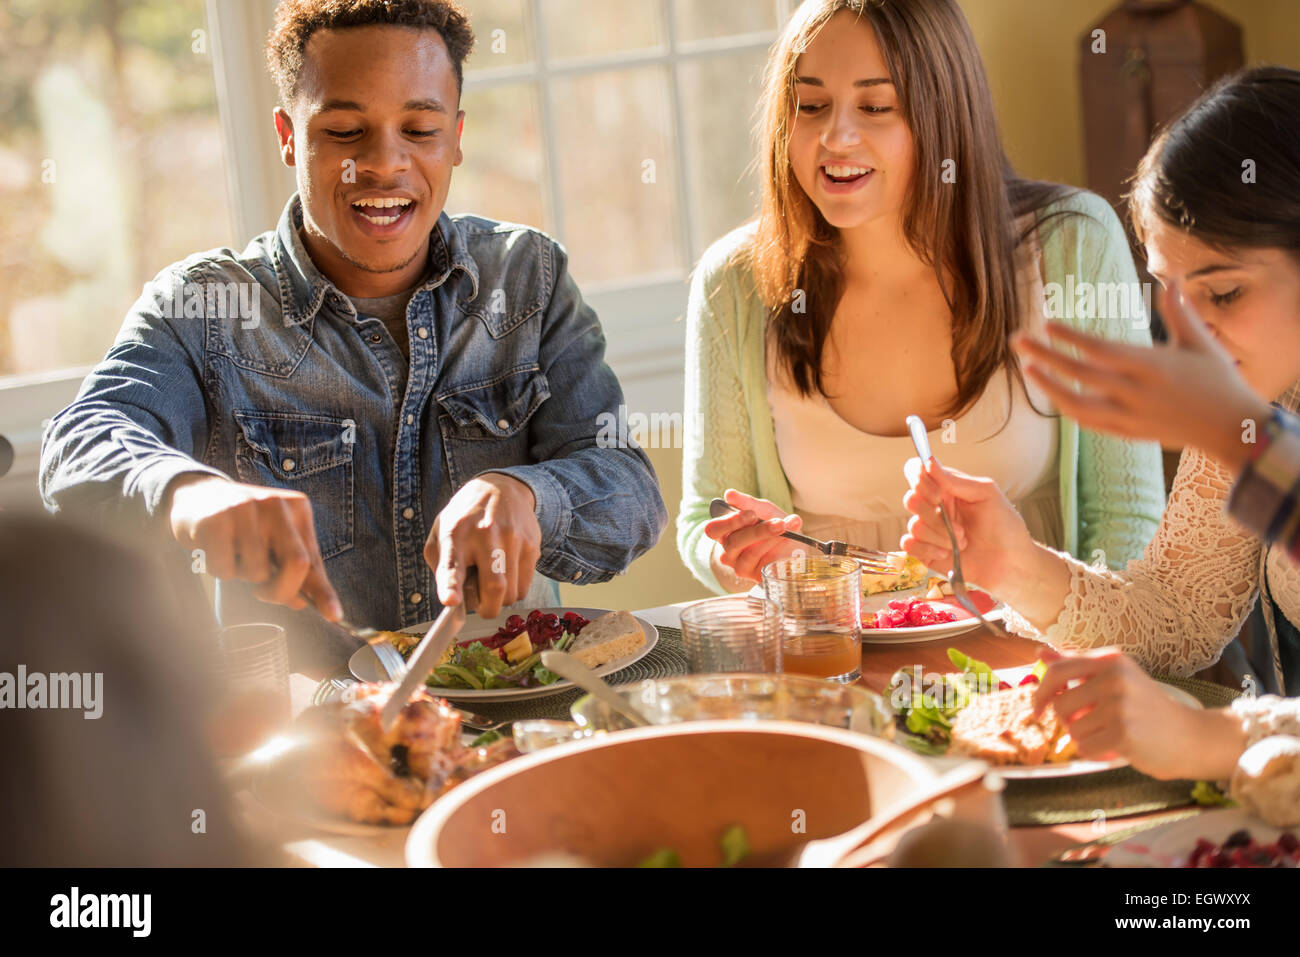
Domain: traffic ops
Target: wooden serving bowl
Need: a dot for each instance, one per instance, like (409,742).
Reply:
(614,800)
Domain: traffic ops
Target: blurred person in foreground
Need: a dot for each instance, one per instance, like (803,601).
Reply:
(113,773)
(375,397)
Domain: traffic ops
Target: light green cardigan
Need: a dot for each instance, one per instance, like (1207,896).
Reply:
(1112,491)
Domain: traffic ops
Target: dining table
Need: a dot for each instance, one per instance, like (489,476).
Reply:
(1031,845)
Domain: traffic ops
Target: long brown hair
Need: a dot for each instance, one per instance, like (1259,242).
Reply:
(965,229)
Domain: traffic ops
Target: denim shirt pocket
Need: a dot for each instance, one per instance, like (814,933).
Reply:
(485,426)
(304,453)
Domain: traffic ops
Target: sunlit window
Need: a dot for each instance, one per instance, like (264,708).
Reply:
(111,167)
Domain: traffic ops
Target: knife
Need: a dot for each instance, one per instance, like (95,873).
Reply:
(429,651)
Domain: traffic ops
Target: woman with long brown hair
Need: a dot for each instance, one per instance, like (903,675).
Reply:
(894,256)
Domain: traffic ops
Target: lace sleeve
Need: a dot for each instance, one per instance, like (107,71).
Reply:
(1177,607)
(1268,715)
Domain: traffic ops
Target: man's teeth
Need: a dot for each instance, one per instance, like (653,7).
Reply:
(383,202)
(844,172)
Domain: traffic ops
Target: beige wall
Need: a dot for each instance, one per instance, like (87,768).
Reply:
(1030,50)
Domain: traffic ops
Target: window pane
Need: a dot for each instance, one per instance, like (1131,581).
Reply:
(618,179)
(502,174)
(720,99)
(110,168)
(705,19)
(582,28)
(502,35)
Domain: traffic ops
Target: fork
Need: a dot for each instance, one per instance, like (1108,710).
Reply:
(873,562)
(390,659)
(921,439)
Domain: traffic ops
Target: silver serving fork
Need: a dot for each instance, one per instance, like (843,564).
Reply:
(873,562)
(921,439)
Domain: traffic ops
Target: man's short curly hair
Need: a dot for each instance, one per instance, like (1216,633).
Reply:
(297,20)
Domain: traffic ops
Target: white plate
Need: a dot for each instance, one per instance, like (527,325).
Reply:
(943,629)
(1169,844)
(365,666)
(1066,769)
(903,636)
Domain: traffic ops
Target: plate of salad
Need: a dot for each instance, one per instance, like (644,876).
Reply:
(490,661)
(926,706)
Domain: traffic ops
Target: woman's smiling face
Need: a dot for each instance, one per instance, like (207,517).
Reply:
(1250,299)
(850,149)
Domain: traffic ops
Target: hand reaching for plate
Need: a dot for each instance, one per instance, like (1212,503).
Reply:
(1115,709)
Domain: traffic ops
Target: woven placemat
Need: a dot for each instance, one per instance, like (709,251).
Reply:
(1122,792)
(1092,853)
(665,660)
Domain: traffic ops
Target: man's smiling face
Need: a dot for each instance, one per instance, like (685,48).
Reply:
(374,132)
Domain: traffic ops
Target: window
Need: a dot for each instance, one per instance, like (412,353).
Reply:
(111,167)
(624,129)
(111,121)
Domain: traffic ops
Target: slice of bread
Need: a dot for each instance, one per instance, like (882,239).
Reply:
(1000,727)
(608,637)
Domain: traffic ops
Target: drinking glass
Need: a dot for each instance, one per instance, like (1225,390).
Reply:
(820,598)
(253,670)
(736,633)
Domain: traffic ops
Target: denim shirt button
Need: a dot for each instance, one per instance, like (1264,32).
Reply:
(422,332)
(288,465)
(577,575)
(410,420)
(408,513)
(502,424)
(374,337)
(416,598)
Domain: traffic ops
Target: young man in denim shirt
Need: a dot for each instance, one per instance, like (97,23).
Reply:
(375,397)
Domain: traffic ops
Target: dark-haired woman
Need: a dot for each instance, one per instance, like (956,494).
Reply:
(893,259)
(1228,246)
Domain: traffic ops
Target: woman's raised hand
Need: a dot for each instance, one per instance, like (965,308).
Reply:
(750,537)
(1188,392)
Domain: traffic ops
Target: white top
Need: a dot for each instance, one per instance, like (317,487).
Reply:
(848,484)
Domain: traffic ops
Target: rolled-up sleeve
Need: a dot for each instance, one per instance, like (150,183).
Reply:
(598,500)
(139,420)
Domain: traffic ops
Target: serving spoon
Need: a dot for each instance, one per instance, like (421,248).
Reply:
(568,666)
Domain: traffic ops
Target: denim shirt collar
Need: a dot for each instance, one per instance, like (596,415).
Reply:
(303,287)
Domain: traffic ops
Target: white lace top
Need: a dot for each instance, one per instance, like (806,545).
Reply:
(1178,606)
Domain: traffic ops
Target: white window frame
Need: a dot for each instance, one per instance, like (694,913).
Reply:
(646,352)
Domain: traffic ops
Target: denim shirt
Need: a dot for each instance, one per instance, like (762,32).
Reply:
(254,366)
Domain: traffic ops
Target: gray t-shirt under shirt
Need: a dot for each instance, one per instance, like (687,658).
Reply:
(391,311)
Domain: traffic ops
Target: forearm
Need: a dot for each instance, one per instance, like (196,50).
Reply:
(1178,606)
(598,510)
(1220,739)
(1036,586)
(98,457)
